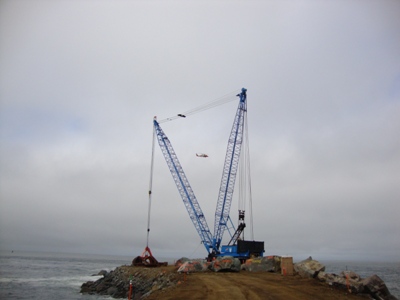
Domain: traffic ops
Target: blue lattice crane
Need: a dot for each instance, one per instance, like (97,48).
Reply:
(237,247)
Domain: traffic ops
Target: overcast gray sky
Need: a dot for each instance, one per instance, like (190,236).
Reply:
(80,82)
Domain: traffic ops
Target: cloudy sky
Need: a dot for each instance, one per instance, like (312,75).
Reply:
(80,82)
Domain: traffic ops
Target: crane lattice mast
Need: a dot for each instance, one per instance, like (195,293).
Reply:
(229,172)
(184,188)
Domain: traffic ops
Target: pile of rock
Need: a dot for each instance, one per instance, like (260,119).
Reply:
(219,264)
(147,280)
(117,283)
(347,280)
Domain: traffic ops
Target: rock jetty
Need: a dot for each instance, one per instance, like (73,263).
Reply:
(142,282)
(373,286)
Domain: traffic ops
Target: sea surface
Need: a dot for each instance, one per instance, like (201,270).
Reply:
(38,276)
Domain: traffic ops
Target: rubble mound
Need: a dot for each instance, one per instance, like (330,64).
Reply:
(350,281)
(144,281)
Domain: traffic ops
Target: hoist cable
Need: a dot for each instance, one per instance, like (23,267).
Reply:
(247,149)
(150,186)
(222,100)
(190,256)
(245,193)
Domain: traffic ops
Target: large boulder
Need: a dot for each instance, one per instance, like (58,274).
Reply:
(225,264)
(377,288)
(265,264)
(326,277)
(309,268)
(192,266)
(351,275)
(181,261)
(353,283)
(347,280)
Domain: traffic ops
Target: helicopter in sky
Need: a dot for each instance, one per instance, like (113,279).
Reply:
(201,155)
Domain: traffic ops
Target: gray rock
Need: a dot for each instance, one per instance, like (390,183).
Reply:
(349,281)
(326,277)
(192,266)
(225,264)
(353,283)
(181,261)
(112,291)
(265,264)
(351,275)
(377,288)
(309,268)
(102,273)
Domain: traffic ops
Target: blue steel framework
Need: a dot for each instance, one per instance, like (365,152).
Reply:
(184,188)
(212,243)
(229,172)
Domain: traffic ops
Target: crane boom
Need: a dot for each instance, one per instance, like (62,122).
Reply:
(229,172)
(184,188)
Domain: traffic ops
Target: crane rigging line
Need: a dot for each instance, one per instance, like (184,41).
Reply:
(245,193)
(247,168)
(150,186)
(214,103)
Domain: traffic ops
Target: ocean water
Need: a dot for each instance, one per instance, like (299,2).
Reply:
(37,276)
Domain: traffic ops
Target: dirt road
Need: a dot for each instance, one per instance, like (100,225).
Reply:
(249,285)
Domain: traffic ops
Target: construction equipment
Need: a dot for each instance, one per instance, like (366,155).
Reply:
(147,260)
(237,247)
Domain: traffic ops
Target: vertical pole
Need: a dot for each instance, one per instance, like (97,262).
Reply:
(348,283)
(130,288)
